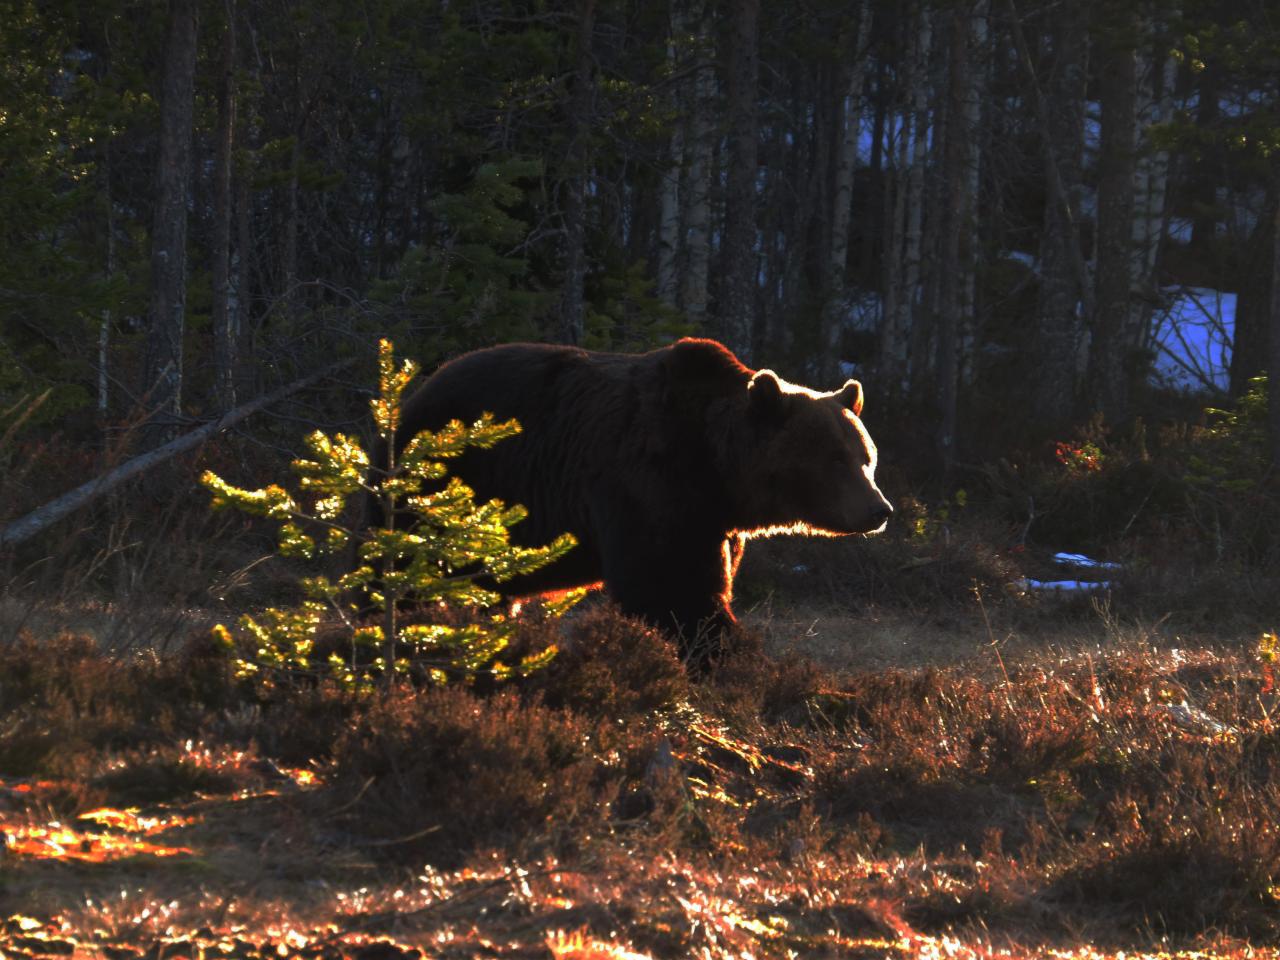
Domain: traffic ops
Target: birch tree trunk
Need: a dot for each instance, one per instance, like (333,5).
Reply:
(223,320)
(669,224)
(668,286)
(1156,75)
(1108,353)
(738,298)
(572,304)
(700,153)
(850,113)
(169,226)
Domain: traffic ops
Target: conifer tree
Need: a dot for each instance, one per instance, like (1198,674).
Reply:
(434,547)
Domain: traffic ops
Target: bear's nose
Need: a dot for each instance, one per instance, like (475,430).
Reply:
(881,514)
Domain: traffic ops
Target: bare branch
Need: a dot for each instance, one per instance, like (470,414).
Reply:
(37,520)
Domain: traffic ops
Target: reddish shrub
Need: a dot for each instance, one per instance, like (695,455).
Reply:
(438,773)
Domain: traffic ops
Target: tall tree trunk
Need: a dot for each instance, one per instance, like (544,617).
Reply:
(668,287)
(881,105)
(737,303)
(893,330)
(1156,74)
(223,319)
(573,303)
(1251,338)
(956,213)
(169,226)
(669,225)
(911,303)
(801,174)
(104,326)
(1273,366)
(1054,371)
(241,295)
(1108,352)
(293,209)
(850,114)
(700,153)
(971,242)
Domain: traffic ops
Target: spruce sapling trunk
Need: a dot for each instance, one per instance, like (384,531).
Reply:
(390,593)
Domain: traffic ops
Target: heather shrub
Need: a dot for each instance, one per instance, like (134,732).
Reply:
(611,665)
(64,704)
(437,773)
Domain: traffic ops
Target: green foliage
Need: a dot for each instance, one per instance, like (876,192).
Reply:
(1201,491)
(438,558)
(470,279)
(58,113)
(624,314)
(1232,453)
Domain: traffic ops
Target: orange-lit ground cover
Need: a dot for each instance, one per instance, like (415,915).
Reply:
(54,840)
(1093,805)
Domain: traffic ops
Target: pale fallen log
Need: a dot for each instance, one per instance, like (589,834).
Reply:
(24,528)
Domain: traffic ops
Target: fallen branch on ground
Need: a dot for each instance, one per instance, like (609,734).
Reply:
(24,528)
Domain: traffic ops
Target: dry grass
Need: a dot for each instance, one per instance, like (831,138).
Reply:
(1110,793)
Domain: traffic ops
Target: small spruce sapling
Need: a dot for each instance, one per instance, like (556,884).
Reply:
(434,543)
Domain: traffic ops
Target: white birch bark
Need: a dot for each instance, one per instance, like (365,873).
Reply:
(1156,76)
(846,163)
(669,225)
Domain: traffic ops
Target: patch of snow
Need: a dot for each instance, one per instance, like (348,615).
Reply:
(1180,229)
(1195,720)
(1093,125)
(1020,256)
(1066,586)
(1192,338)
(1080,560)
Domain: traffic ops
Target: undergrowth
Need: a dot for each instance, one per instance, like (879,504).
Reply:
(1114,796)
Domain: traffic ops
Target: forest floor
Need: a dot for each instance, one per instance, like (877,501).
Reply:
(1012,777)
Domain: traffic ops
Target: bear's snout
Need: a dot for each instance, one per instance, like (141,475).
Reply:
(881,513)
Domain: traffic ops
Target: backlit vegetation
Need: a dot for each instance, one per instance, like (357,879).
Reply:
(432,545)
(1122,797)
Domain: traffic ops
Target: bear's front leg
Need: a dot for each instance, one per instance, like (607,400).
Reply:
(683,591)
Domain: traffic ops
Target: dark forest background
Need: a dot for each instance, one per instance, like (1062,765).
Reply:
(954,738)
(984,209)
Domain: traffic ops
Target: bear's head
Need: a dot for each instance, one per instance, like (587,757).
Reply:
(807,462)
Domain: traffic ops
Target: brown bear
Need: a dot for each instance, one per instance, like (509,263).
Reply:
(662,464)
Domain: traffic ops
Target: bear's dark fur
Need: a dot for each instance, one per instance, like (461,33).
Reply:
(661,464)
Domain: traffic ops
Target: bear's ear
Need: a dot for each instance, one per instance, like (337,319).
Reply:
(765,392)
(850,395)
